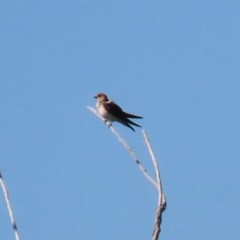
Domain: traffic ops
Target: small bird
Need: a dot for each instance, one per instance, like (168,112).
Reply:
(112,112)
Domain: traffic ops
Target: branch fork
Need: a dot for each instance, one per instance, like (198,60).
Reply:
(162,203)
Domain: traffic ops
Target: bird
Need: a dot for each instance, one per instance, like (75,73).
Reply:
(110,111)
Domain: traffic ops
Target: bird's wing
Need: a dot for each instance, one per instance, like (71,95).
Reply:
(113,108)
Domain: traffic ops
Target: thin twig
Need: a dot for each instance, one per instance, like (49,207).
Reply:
(128,148)
(155,164)
(162,203)
(10,210)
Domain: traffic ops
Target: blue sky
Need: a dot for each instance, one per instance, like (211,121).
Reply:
(174,62)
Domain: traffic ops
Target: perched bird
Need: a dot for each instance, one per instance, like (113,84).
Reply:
(112,112)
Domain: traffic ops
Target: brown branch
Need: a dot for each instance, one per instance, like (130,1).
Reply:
(158,220)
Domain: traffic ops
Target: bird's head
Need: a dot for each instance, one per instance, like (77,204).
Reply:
(101,97)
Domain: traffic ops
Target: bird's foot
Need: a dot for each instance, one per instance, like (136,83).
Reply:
(108,123)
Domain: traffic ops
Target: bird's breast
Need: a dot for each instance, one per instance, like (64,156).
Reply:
(105,114)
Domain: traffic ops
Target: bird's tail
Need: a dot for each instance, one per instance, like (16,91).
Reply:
(133,123)
(129,115)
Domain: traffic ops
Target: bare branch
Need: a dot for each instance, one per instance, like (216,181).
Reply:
(158,221)
(162,203)
(10,210)
(128,148)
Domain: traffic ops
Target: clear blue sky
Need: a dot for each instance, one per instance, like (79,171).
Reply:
(177,63)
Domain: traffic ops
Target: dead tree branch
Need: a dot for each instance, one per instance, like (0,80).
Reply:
(9,207)
(128,148)
(162,203)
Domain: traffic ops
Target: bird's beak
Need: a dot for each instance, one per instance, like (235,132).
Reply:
(95,96)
